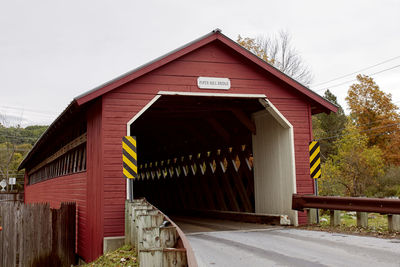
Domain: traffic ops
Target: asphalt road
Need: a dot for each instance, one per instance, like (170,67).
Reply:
(218,243)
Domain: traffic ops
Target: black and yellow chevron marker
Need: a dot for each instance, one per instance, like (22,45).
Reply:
(129,157)
(315,160)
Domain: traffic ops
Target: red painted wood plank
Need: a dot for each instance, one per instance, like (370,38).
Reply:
(95,199)
(62,189)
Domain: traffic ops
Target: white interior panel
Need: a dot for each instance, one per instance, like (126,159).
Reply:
(274,169)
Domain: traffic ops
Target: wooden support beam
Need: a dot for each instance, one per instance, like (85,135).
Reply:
(237,181)
(219,129)
(244,119)
(217,190)
(246,171)
(201,178)
(65,149)
(225,183)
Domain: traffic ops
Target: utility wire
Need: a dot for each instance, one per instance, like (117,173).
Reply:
(14,150)
(338,78)
(363,124)
(42,112)
(17,136)
(375,73)
(363,131)
(21,138)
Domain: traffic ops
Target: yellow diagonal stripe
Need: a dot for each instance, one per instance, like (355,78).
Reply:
(131,140)
(127,174)
(314,154)
(312,144)
(129,163)
(315,165)
(318,174)
(129,150)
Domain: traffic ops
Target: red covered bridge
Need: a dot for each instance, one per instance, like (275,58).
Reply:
(217,128)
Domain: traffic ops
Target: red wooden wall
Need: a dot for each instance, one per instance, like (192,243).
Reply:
(95,201)
(101,191)
(121,104)
(63,189)
(85,188)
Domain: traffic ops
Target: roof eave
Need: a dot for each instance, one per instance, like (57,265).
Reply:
(181,51)
(281,75)
(216,34)
(145,68)
(45,134)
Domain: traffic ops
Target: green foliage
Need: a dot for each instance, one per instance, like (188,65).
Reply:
(328,127)
(18,135)
(377,223)
(15,143)
(11,156)
(364,158)
(388,185)
(354,166)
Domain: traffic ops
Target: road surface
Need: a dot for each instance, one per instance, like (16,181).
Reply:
(219,243)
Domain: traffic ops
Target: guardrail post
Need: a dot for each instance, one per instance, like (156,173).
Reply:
(127,222)
(335,217)
(362,219)
(156,243)
(312,216)
(146,221)
(393,223)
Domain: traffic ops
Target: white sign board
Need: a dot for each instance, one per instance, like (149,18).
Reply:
(3,184)
(213,83)
(12,180)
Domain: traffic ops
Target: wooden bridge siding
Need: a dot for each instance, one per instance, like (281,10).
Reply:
(95,202)
(120,105)
(68,188)
(296,112)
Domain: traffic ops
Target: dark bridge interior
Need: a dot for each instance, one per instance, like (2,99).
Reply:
(196,153)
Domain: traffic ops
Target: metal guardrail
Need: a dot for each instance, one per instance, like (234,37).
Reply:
(361,204)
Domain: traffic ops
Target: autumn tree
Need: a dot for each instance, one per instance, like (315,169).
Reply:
(374,114)
(327,128)
(354,167)
(279,52)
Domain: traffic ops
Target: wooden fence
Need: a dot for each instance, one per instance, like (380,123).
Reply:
(35,235)
(11,196)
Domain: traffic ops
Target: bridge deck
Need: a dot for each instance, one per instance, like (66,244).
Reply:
(221,243)
(190,225)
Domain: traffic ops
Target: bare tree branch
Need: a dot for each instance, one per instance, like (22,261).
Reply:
(284,56)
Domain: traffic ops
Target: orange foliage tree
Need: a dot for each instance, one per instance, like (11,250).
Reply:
(376,116)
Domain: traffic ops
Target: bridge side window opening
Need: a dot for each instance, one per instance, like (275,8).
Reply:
(67,157)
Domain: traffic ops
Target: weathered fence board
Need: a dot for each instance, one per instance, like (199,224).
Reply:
(35,235)
(11,196)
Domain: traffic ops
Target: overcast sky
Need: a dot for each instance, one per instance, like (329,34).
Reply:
(52,51)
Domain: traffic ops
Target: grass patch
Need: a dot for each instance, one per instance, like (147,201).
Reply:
(377,225)
(376,221)
(124,256)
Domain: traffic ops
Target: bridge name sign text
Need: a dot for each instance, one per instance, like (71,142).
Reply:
(213,83)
